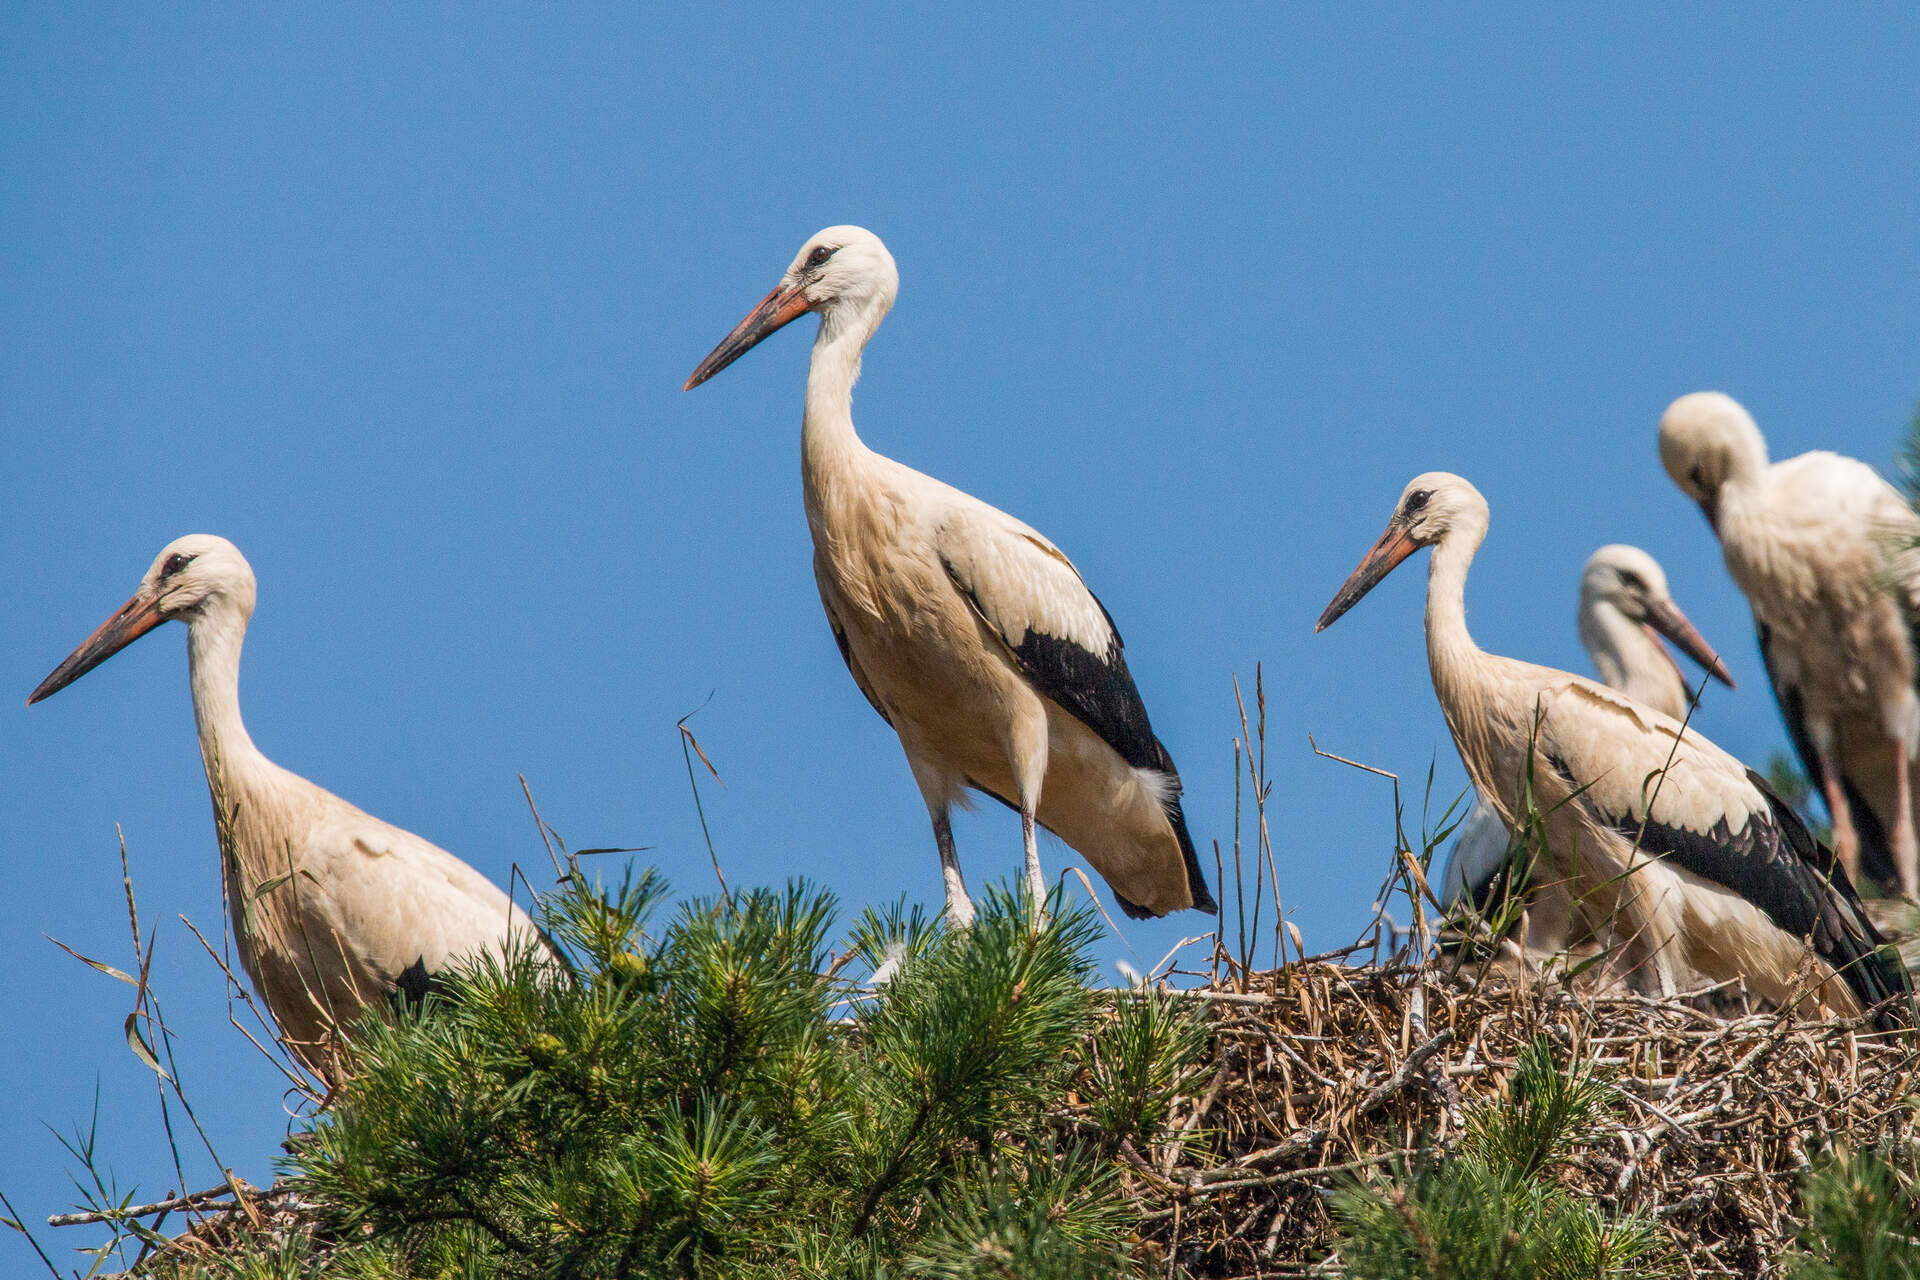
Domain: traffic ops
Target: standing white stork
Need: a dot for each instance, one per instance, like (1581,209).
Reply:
(1820,545)
(1625,607)
(970,634)
(334,910)
(1700,868)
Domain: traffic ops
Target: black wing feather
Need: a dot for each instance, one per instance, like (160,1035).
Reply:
(1098,691)
(414,984)
(1774,862)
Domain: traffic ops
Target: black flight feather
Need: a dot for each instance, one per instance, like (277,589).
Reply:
(414,984)
(1097,690)
(1774,862)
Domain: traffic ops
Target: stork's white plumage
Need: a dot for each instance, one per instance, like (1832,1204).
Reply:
(1819,544)
(1701,870)
(971,634)
(1625,607)
(333,909)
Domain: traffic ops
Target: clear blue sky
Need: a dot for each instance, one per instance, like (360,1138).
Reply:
(401,301)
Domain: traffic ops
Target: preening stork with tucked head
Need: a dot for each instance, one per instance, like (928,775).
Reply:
(1822,547)
(1701,870)
(1625,608)
(970,634)
(333,909)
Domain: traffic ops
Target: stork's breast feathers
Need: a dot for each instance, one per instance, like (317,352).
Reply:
(845,646)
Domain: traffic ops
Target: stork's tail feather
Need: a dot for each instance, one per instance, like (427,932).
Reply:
(1895,1014)
(1196,878)
(1842,933)
(1169,798)
(1880,981)
(414,984)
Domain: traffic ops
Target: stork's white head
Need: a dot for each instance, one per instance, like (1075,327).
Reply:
(190,578)
(1624,577)
(1438,503)
(844,267)
(843,273)
(1707,440)
(1629,580)
(1434,506)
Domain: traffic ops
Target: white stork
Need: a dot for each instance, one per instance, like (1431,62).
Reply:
(334,910)
(1821,545)
(970,634)
(1700,868)
(1625,607)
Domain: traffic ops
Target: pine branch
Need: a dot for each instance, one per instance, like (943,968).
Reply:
(888,1176)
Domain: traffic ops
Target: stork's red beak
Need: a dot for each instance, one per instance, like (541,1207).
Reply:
(131,621)
(1395,545)
(777,310)
(1664,616)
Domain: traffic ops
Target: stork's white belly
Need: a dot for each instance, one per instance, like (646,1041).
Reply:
(965,713)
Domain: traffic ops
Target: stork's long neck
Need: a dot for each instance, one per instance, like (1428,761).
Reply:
(1457,663)
(1629,659)
(829,446)
(235,767)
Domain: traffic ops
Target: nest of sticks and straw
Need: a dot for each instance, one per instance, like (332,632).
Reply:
(1325,1073)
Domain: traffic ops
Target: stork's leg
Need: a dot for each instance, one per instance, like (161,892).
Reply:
(1906,854)
(1549,920)
(1027,752)
(1846,841)
(937,790)
(1642,938)
(1036,882)
(959,905)
(1649,969)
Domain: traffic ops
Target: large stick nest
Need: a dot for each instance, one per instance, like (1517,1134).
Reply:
(1321,1074)
(1325,1073)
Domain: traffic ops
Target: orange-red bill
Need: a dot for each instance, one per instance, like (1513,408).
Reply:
(1665,617)
(777,310)
(1395,545)
(129,622)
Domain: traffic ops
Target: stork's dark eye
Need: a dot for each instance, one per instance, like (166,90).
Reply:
(819,255)
(175,563)
(1416,501)
(1632,581)
(1698,476)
